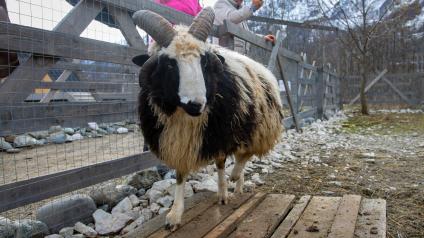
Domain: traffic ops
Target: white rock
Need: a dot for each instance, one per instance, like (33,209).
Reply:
(54,236)
(123,206)
(337,183)
(66,231)
(257,179)
(76,136)
(368,155)
(146,213)
(134,200)
(163,184)
(249,186)
(188,190)
(165,201)
(93,126)
(154,207)
(133,225)
(122,130)
(207,184)
(153,195)
(85,230)
(163,209)
(107,223)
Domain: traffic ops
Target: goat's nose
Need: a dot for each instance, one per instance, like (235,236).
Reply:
(192,108)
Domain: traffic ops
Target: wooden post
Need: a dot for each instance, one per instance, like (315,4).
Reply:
(319,93)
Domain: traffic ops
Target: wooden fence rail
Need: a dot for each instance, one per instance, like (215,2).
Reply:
(309,91)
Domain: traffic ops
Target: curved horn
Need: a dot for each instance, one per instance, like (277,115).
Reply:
(156,26)
(202,24)
(147,68)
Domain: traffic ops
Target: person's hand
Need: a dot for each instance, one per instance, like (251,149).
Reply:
(257,3)
(270,38)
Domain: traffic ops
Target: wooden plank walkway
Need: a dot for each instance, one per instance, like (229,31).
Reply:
(276,216)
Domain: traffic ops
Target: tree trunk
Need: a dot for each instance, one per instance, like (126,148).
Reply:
(364,74)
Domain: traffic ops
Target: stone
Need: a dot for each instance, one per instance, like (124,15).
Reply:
(154,207)
(153,195)
(76,136)
(68,130)
(66,232)
(144,203)
(85,230)
(337,183)
(7,228)
(141,192)
(103,132)
(78,236)
(25,141)
(170,175)
(111,194)
(162,169)
(54,129)
(133,225)
(123,206)
(166,201)
(144,179)
(26,228)
(39,134)
(93,126)
(188,190)
(146,213)
(4,145)
(122,130)
(208,184)
(163,185)
(163,209)
(58,137)
(134,200)
(68,210)
(13,151)
(109,224)
(249,186)
(54,236)
(257,179)
(368,155)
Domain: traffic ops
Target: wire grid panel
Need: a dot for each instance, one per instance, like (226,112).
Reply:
(68,90)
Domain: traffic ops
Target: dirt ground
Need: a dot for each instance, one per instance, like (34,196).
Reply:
(379,156)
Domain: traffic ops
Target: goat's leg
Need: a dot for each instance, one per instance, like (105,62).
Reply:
(222,182)
(173,218)
(237,175)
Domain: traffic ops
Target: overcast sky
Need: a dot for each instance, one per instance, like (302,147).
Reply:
(46,14)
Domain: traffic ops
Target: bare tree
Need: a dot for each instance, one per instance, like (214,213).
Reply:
(362,27)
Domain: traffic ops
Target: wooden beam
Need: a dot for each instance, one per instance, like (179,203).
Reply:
(74,23)
(346,216)
(372,219)
(127,27)
(305,25)
(369,86)
(33,190)
(273,58)
(50,45)
(401,95)
(62,78)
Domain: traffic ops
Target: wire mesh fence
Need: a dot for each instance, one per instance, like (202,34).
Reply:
(68,111)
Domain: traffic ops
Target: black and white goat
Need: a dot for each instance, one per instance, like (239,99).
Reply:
(200,103)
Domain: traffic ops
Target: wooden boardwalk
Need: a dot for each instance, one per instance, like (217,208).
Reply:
(275,215)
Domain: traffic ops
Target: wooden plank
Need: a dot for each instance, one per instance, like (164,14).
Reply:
(81,85)
(228,225)
(193,207)
(372,219)
(369,86)
(346,216)
(288,94)
(51,44)
(288,223)
(36,116)
(97,68)
(62,78)
(305,25)
(73,23)
(25,192)
(317,218)
(266,217)
(202,224)
(127,27)
(273,58)
(401,95)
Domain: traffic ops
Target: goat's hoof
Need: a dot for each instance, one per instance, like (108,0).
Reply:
(234,178)
(171,227)
(223,200)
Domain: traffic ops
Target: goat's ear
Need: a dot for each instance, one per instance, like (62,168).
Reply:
(140,59)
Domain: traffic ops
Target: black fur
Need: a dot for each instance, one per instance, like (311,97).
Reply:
(225,131)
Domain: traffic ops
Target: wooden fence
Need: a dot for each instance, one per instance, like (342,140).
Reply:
(310,91)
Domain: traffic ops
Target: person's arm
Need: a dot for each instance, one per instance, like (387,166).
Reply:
(239,15)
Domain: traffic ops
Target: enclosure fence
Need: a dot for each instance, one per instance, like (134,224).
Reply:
(66,79)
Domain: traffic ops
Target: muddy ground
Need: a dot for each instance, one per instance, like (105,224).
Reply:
(378,156)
